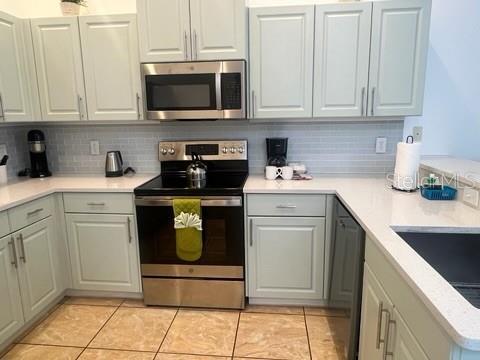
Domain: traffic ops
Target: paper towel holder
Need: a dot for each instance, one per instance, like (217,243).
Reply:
(409,140)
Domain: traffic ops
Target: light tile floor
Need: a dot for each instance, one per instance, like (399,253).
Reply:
(90,329)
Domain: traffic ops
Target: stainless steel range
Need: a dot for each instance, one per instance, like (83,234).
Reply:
(216,278)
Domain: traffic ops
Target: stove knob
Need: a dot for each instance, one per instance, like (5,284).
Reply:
(241,149)
(224,150)
(164,151)
(171,151)
(233,150)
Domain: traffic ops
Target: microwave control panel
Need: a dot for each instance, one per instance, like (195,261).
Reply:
(231,91)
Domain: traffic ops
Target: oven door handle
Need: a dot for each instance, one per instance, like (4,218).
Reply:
(232,201)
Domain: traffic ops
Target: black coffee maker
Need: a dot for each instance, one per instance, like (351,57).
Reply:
(277,151)
(38,154)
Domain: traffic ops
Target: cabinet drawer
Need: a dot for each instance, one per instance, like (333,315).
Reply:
(286,205)
(4,225)
(30,213)
(113,203)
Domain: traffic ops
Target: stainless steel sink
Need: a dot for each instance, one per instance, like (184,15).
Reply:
(454,256)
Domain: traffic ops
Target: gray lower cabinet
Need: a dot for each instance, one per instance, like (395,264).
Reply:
(286,257)
(30,277)
(103,252)
(11,316)
(37,266)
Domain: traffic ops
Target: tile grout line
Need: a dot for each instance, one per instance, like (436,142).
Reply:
(166,333)
(306,329)
(98,332)
(236,334)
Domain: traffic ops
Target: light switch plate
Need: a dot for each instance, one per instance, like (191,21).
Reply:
(381,145)
(417,133)
(94,147)
(471,197)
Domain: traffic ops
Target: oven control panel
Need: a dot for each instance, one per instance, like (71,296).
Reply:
(208,150)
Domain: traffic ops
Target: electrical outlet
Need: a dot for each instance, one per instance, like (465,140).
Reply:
(381,145)
(3,150)
(417,133)
(94,147)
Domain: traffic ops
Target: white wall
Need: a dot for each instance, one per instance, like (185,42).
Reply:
(46,8)
(451,117)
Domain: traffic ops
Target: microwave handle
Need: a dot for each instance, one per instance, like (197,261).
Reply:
(218,90)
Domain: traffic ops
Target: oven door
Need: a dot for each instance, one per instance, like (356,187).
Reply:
(222,237)
(182,91)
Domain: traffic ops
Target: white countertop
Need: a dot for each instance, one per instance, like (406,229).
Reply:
(467,170)
(375,206)
(17,193)
(378,208)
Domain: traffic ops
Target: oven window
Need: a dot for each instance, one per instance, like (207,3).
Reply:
(180,92)
(222,236)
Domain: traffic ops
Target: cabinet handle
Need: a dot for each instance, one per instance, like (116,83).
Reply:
(1,107)
(286,206)
(363,102)
(129,228)
(253,103)
(373,101)
(387,336)
(14,252)
(34,212)
(22,248)
(195,44)
(251,233)
(342,224)
(185,41)
(80,110)
(139,116)
(381,310)
(96,204)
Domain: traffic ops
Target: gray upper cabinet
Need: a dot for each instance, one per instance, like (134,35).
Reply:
(342,50)
(18,94)
(281,61)
(58,60)
(164,30)
(186,30)
(111,67)
(369,59)
(399,47)
(218,29)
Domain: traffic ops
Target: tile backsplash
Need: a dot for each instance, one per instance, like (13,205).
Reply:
(336,148)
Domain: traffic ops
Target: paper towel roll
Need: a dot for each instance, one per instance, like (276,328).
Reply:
(406,166)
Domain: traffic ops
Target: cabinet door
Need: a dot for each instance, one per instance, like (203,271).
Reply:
(342,50)
(345,261)
(405,346)
(17,93)
(111,67)
(39,277)
(164,30)
(11,316)
(376,310)
(103,252)
(399,47)
(286,258)
(281,61)
(59,68)
(218,29)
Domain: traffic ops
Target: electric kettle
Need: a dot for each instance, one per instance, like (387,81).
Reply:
(113,164)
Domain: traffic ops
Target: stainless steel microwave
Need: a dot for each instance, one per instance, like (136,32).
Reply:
(194,90)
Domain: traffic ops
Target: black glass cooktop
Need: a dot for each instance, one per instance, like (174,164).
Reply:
(177,184)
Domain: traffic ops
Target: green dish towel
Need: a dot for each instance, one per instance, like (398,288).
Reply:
(189,242)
